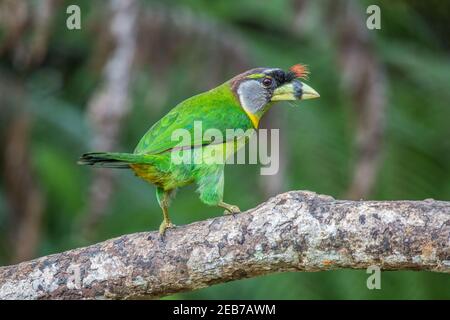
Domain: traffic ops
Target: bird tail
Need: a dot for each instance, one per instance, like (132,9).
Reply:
(113,159)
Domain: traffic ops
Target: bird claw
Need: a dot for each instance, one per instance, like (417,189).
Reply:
(164,226)
(232,210)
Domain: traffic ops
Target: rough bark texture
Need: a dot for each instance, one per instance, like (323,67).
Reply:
(294,231)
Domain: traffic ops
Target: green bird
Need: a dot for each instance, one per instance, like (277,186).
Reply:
(236,104)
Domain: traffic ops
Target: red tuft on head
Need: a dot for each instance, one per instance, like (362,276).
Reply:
(300,70)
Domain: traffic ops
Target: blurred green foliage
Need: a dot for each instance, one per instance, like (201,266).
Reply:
(318,137)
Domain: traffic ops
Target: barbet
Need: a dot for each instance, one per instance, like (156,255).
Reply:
(237,104)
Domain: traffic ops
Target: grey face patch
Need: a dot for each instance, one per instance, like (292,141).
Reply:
(252,95)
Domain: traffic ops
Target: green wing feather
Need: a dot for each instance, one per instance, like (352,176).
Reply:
(217,108)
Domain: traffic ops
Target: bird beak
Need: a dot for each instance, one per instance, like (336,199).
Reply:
(294,90)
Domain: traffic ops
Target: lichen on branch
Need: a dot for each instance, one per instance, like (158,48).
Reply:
(294,231)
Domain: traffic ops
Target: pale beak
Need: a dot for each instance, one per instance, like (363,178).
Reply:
(294,90)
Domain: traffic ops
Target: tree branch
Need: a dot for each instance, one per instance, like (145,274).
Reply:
(294,231)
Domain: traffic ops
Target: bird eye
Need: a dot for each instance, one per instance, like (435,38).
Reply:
(267,82)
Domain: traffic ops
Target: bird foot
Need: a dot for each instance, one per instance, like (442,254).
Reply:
(232,210)
(164,226)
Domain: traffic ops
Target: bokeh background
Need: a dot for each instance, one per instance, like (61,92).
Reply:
(379,131)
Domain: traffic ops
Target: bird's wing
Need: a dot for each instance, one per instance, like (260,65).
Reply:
(215,110)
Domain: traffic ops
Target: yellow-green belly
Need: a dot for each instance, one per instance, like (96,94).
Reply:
(168,175)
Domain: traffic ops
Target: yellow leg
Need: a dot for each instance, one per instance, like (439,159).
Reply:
(229,208)
(166,224)
(163,200)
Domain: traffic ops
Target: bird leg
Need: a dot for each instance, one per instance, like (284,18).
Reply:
(211,190)
(163,200)
(229,208)
(166,224)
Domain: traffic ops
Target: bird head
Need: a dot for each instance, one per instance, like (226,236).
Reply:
(258,88)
